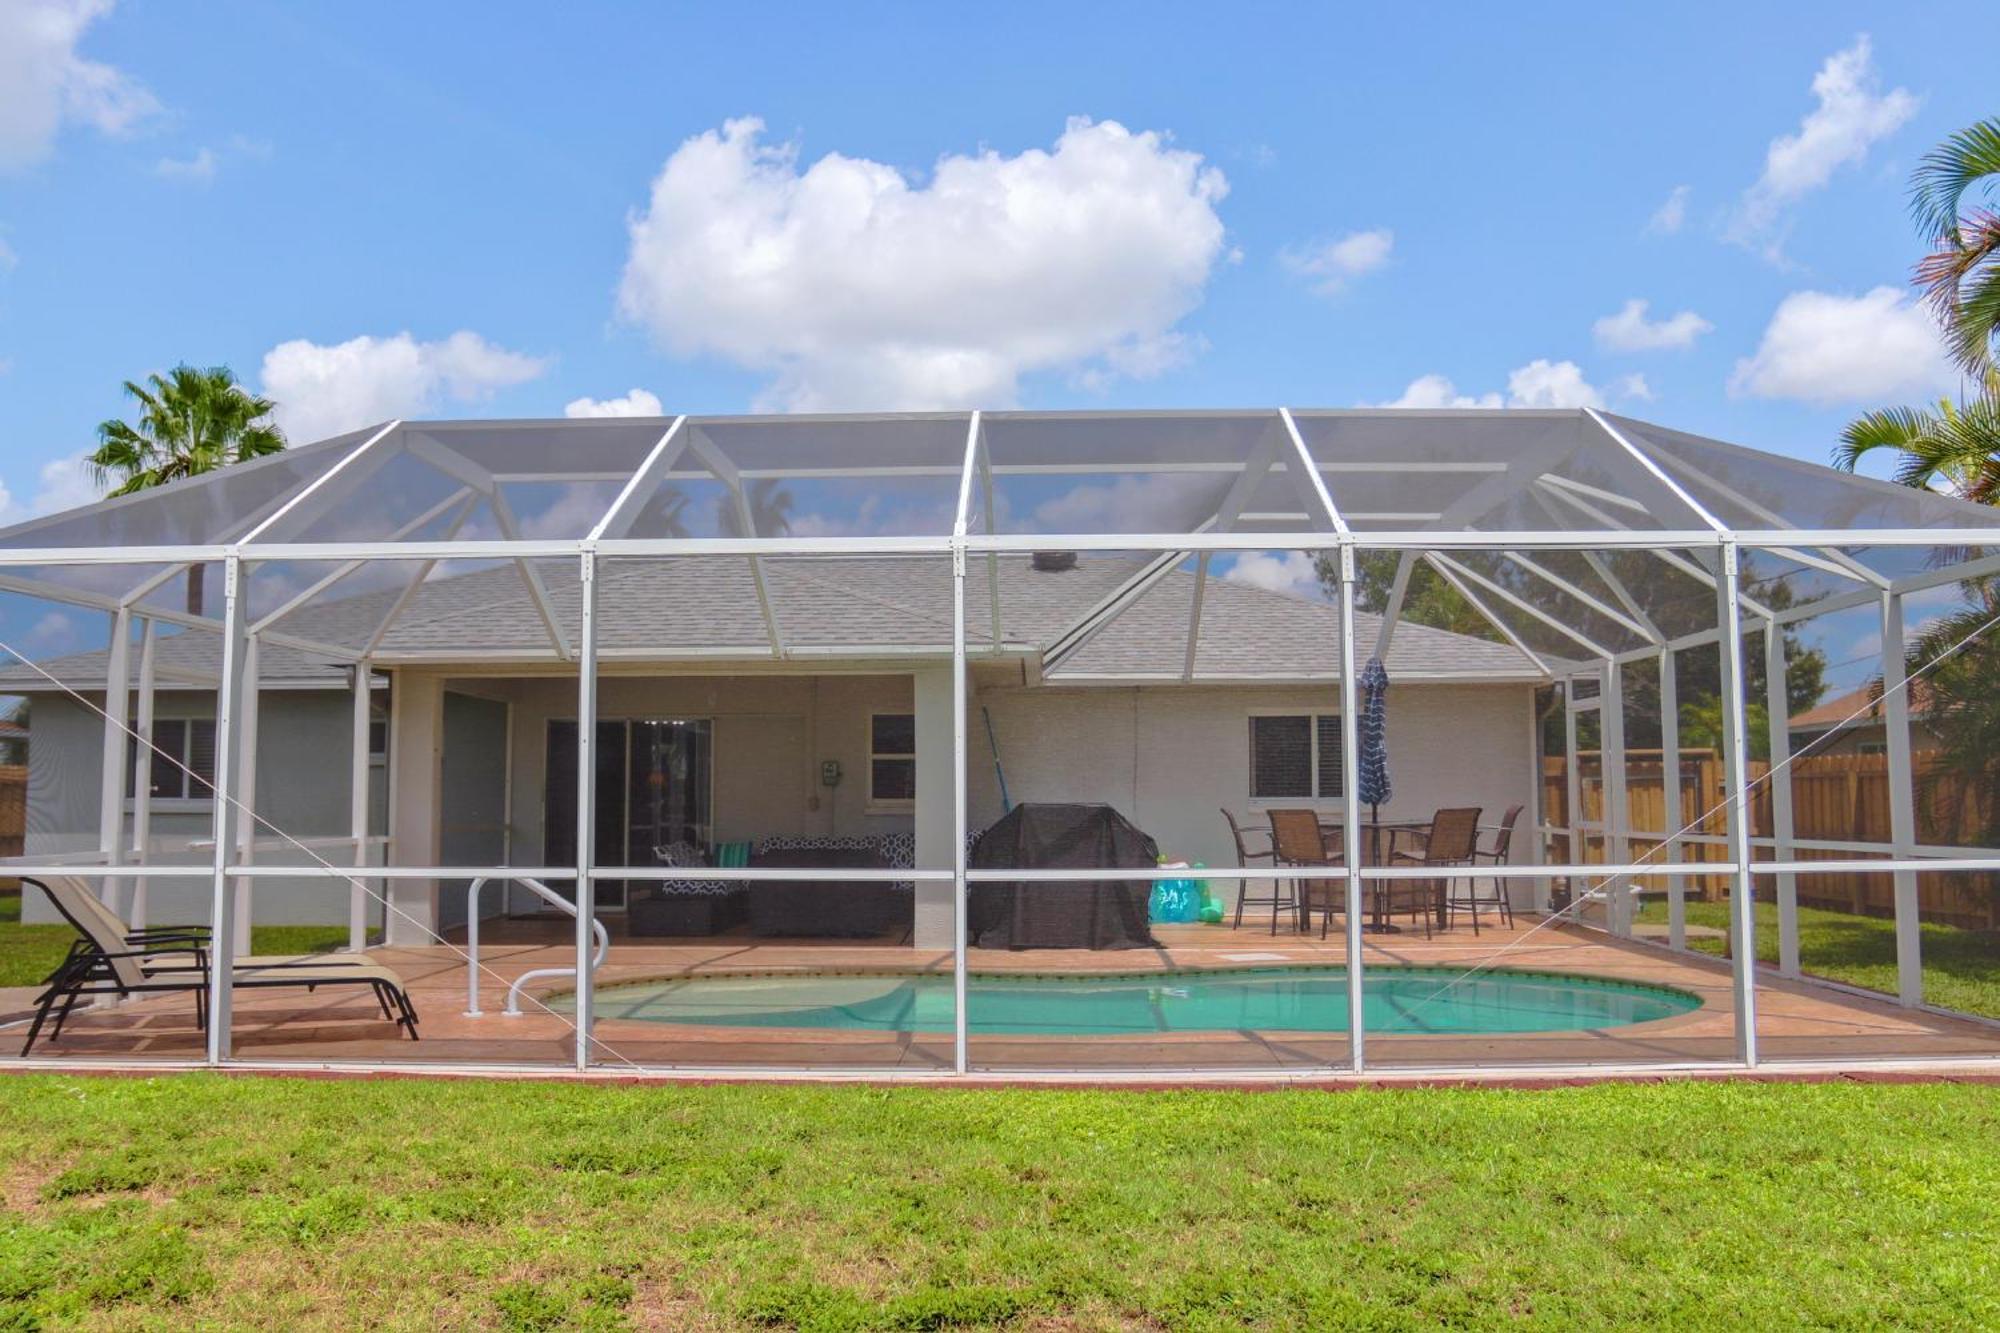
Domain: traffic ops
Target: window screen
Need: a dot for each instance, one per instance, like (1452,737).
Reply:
(176,742)
(1295,757)
(1281,757)
(892,757)
(1327,737)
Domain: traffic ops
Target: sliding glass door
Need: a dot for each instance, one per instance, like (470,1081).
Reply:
(667,787)
(654,784)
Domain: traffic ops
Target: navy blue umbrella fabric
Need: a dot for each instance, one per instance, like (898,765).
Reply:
(1372,741)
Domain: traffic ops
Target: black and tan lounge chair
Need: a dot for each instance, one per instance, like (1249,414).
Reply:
(110,958)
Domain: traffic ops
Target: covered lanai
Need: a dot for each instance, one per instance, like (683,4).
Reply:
(535,680)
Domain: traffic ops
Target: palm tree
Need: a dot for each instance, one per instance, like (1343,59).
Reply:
(671,513)
(1954,446)
(190,422)
(770,508)
(1959,663)
(1961,275)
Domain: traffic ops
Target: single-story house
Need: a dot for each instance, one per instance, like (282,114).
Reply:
(819,654)
(1853,723)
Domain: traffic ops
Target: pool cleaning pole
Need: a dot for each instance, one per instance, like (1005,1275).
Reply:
(998,772)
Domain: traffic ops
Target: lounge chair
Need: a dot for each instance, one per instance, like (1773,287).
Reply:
(110,958)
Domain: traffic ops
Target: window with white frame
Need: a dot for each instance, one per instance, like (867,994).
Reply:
(1294,756)
(892,759)
(179,745)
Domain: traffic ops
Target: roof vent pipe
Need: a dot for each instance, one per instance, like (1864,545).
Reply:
(1053,562)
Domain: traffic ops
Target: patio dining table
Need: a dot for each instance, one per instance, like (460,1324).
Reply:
(1378,897)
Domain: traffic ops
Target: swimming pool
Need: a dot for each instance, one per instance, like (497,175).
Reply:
(1276,999)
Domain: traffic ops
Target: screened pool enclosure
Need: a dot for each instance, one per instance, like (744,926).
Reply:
(639,743)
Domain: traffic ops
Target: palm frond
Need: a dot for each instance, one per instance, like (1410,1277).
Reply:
(1954,445)
(1889,428)
(1941,180)
(1973,322)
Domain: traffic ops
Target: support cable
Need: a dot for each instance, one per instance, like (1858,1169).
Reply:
(1598,891)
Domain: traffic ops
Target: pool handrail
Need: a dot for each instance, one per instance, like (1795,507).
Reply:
(512,1008)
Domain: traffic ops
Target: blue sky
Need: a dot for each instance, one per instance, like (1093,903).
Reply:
(451,209)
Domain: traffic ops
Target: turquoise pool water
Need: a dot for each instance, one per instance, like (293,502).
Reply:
(1276,999)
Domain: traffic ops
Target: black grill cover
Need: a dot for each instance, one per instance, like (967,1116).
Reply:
(1106,915)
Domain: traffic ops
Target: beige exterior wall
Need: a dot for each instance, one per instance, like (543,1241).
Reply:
(1167,756)
(771,733)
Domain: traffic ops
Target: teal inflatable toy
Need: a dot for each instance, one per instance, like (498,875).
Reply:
(1210,911)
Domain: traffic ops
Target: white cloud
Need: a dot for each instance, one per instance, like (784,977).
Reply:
(1634,386)
(53,633)
(1825,348)
(323,390)
(64,483)
(1630,331)
(204,163)
(196,170)
(45,84)
(637,403)
(1669,216)
(1543,383)
(1432,391)
(1540,383)
(1331,266)
(1149,502)
(852,286)
(1276,571)
(60,483)
(1851,116)
(8,259)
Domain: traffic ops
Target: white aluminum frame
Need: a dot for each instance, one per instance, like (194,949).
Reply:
(264,539)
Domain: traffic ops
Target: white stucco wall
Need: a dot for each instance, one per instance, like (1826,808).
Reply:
(1169,757)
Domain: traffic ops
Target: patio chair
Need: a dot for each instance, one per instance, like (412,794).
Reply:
(1246,854)
(1471,899)
(110,958)
(1451,841)
(1297,841)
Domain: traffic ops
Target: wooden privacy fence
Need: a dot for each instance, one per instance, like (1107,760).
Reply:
(1835,798)
(13,809)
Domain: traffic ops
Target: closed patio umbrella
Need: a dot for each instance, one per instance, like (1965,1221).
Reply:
(1372,740)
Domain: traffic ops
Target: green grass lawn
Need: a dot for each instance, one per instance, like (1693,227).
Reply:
(202,1201)
(1961,967)
(30,953)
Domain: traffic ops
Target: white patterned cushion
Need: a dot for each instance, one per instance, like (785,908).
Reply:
(687,854)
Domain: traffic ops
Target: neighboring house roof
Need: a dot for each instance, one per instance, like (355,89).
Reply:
(1858,708)
(693,607)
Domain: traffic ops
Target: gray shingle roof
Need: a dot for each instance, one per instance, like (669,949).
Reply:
(695,606)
